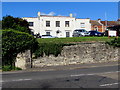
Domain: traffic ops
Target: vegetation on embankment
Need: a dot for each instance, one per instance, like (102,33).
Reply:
(74,39)
(54,46)
(115,42)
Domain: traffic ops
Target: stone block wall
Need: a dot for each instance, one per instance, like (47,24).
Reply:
(75,54)
(23,60)
(81,53)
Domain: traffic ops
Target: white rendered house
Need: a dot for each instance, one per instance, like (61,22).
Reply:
(60,26)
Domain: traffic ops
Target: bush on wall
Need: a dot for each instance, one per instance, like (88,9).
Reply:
(50,48)
(14,42)
(115,42)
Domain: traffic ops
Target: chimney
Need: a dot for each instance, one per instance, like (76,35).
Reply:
(71,15)
(118,21)
(99,20)
(38,15)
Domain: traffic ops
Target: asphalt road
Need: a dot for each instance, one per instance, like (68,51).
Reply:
(94,77)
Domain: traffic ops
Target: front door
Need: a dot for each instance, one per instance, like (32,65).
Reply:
(67,34)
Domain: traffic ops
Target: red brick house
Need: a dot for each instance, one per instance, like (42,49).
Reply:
(97,25)
(102,25)
(109,24)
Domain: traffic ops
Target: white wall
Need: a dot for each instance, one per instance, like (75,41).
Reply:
(87,24)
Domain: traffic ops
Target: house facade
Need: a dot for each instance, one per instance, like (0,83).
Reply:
(110,23)
(60,26)
(63,26)
(97,25)
(102,26)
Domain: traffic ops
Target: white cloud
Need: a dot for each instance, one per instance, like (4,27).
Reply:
(50,14)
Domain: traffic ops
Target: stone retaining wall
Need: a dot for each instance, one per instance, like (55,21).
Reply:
(78,54)
(23,60)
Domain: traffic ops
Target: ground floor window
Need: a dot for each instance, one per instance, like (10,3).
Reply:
(47,33)
(67,34)
(96,28)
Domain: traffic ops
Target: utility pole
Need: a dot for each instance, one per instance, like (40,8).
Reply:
(106,24)
(105,21)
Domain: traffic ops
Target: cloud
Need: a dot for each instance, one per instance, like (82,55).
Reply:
(50,13)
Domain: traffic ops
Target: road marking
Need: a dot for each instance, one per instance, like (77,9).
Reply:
(93,74)
(17,80)
(110,84)
(21,79)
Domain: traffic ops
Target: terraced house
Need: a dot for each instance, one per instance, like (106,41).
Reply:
(63,26)
(60,26)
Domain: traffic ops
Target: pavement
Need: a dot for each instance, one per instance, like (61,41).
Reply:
(67,67)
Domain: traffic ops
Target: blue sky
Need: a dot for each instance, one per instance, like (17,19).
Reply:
(92,10)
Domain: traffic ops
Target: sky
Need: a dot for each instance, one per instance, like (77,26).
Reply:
(92,10)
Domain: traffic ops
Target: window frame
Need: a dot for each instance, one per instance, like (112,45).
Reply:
(47,23)
(67,23)
(31,23)
(82,24)
(58,24)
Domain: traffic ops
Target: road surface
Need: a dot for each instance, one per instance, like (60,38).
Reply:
(92,77)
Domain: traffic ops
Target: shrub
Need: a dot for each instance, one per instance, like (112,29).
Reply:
(115,42)
(8,68)
(50,48)
(14,42)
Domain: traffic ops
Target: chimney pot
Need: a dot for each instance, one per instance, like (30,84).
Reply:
(71,15)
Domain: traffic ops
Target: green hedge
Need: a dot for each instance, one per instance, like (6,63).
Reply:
(115,42)
(50,48)
(14,42)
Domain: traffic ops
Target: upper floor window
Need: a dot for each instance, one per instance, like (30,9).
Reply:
(66,23)
(47,23)
(30,23)
(57,23)
(82,25)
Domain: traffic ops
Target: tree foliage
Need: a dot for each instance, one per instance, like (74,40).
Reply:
(19,24)
(14,42)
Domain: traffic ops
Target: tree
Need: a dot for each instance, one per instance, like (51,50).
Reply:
(14,42)
(19,24)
